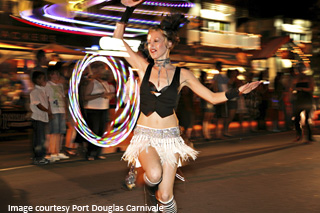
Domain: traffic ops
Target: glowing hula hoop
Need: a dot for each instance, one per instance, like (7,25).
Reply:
(122,125)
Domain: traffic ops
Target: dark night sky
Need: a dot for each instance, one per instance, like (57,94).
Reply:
(271,8)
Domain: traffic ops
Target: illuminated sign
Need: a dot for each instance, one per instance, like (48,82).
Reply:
(14,35)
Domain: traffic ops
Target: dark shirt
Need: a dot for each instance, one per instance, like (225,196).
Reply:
(166,102)
(302,85)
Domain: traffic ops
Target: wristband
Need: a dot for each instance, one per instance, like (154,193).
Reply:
(232,93)
(126,15)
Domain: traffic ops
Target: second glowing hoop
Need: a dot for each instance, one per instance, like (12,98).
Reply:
(122,125)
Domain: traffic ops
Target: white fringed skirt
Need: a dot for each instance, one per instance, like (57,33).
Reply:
(167,142)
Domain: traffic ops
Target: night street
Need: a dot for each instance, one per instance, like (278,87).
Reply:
(237,80)
(265,172)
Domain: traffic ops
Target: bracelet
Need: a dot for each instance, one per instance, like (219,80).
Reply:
(126,15)
(232,93)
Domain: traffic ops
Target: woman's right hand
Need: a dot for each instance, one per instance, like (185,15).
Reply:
(131,3)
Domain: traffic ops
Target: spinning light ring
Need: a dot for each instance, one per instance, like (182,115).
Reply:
(122,125)
(166,4)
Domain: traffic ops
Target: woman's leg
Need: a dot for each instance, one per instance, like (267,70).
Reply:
(165,191)
(150,162)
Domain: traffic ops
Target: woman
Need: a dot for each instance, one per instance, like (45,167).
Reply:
(303,87)
(97,95)
(156,144)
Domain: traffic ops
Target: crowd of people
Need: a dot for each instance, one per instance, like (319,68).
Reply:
(283,101)
(280,101)
(54,135)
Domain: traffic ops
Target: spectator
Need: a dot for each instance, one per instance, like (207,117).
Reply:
(185,112)
(287,81)
(57,125)
(252,102)
(277,101)
(79,140)
(97,94)
(42,63)
(203,80)
(263,95)
(70,145)
(208,109)
(220,85)
(232,104)
(303,87)
(40,109)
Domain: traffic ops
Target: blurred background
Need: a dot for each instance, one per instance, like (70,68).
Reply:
(259,37)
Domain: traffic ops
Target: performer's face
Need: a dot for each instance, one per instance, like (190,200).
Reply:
(158,45)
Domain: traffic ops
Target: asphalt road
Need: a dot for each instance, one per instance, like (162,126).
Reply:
(253,174)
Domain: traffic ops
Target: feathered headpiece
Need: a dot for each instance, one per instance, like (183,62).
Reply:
(173,22)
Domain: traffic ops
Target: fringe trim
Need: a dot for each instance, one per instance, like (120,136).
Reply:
(165,147)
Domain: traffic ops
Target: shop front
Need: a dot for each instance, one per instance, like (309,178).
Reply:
(203,58)
(279,54)
(18,45)
(13,118)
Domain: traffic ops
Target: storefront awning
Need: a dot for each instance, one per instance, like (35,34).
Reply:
(12,46)
(209,55)
(56,48)
(25,50)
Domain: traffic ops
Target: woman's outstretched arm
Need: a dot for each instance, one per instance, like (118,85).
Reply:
(188,79)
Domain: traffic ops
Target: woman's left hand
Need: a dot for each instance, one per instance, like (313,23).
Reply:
(244,89)
(131,3)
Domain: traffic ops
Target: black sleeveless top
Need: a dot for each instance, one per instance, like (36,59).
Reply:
(302,84)
(165,103)
(303,99)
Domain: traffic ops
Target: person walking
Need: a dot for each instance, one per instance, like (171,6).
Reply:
(185,112)
(303,87)
(156,144)
(232,104)
(208,114)
(277,101)
(221,85)
(263,97)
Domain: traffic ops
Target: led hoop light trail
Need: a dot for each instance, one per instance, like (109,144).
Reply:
(122,125)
